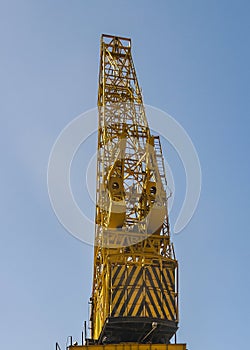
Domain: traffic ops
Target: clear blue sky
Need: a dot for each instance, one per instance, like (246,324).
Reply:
(192,59)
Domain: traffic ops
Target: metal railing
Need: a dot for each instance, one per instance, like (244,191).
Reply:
(57,346)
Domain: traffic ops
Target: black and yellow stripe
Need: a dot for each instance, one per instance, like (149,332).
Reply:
(146,291)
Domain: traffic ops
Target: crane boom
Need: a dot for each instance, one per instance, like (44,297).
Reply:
(134,282)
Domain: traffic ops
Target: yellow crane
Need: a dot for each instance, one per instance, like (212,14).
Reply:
(134,302)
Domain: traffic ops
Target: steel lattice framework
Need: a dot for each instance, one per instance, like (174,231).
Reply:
(135,270)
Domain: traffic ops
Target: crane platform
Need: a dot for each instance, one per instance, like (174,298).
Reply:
(130,346)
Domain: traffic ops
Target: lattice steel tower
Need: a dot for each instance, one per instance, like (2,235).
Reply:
(135,296)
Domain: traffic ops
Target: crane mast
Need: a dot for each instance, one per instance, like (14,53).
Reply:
(134,301)
(134,297)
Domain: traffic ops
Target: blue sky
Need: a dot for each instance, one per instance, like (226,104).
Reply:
(192,60)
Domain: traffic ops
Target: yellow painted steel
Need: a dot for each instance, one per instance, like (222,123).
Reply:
(130,346)
(134,264)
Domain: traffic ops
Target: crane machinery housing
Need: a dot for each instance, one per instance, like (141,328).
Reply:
(134,302)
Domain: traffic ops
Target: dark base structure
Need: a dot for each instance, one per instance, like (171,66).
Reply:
(137,329)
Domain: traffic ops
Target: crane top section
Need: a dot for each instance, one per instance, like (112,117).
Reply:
(107,39)
(118,84)
(131,185)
